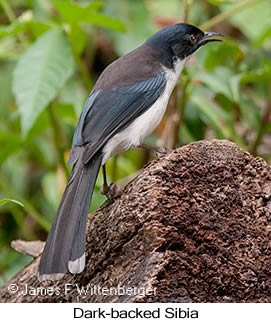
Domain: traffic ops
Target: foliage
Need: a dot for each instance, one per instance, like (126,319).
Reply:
(51,53)
(7,200)
(41,72)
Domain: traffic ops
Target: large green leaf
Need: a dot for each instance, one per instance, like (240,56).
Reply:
(40,73)
(75,13)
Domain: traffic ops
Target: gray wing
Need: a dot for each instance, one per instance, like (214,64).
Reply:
(108,111)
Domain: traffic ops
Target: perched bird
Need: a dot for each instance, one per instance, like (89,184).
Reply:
(126,104)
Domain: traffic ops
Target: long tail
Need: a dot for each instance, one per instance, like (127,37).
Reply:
(65,245)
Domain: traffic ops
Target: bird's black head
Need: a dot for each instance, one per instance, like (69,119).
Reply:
(180,40)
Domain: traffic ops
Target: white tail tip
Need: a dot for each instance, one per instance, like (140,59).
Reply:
(77,266)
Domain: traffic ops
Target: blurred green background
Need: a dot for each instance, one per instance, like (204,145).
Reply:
(51,53)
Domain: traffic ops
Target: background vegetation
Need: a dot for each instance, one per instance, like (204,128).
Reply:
(51,53)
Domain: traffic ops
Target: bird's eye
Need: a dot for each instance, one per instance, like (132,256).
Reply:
(193,38)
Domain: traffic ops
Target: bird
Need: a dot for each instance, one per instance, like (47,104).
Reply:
(125,105)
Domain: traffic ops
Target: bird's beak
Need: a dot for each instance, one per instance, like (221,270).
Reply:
(210,36)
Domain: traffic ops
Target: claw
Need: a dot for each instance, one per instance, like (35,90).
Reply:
(110,191)
(159,151)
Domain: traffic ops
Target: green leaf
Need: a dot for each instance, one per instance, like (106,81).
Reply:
(251,114)
(37,28)
(139,28)
(261,75)
(5,86)
(74,93)
(217,84)
(40,73)
(229,53)
(74,13)
(10,143)
(266,35)
(193,126)
(50,188)
(219,2)
(7,200)
(78,38)
(234,83)
(66,113)
(105,21)
(8,48)
(214,114)
(12,263)
(12,29)
(253,20)
(222,81)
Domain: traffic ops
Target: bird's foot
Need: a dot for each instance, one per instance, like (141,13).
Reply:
(110,191)
(159,151)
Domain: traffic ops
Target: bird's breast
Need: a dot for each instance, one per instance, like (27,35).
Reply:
(145,124)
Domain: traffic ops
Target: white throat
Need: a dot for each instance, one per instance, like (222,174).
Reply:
(173,75)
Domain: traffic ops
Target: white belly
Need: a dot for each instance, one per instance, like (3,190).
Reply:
(144,125)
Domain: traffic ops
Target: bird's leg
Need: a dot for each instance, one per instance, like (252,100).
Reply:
(159,151)
(110,191)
